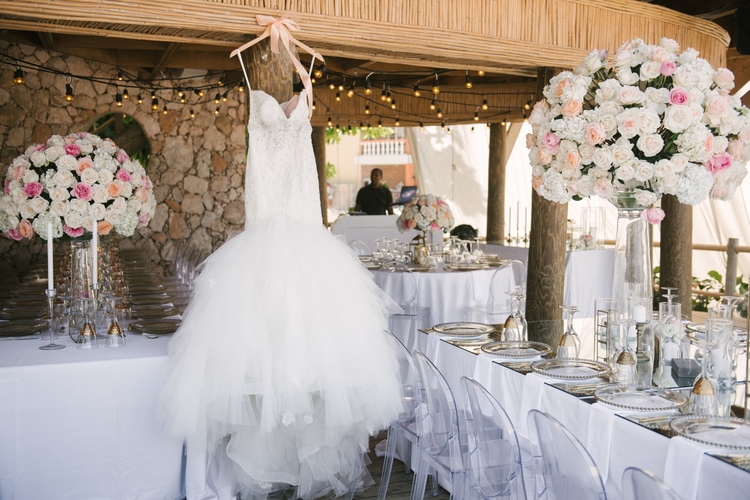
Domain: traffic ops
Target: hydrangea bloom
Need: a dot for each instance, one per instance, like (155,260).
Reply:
(426,212)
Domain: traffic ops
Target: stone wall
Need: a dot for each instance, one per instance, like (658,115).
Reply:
(197,165)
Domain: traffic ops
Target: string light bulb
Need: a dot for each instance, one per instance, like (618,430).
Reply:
(330,122)
(436,85)
(221,81)
(393,103)
(199,92)
(119,76)
(433,104)
(417,92)
(314,106)
(118,100)
(480,72)
(350,92)
(192,114)
(217,99)
(154,103)
(165,110)
(338,97)
(331,85)
(367,109)
(476,116)
(398,122)
(217,111)
(241,86)
(527,106)
(485,104)
(383,94)
(368,87)
(68,92)
(380,123)
(224,97)
(421,126)
(139,99)
(125,94)
(341,86)
(467,80)
(439,113)
(318,72)
(18,78)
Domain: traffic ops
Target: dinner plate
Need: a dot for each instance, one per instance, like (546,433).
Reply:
(153,312)
(466,267)
(20,328)
(23,313)
(521,349)
(463,329)
(724,432)
(155,327)
(150,300)
(570,369)
(651,399)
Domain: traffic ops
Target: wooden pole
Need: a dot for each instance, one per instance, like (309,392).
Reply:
(319,147)
(676,257)
(546,264)
(496,185)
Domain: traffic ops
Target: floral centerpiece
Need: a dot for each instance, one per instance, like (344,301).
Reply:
(70,182)
(653,121)
(426,212)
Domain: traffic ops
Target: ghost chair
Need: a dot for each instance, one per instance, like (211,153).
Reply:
(405,428)
(566,467)
(494,463)
(441,446)
(405,325)
(639,484)
(502,283)
(359,247)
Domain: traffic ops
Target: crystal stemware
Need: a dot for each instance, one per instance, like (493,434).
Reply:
(624,369)
(703,395)
(515,325)
(570,343)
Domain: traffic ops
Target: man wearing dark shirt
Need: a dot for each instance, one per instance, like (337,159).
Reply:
(375,198)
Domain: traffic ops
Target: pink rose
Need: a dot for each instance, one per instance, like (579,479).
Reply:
(561,86)
(40,147)
(530,141)
(143,218)
(33,189)
(6,188)
(718,163)
(573,158)
(73,232)
(73,149)
(679,95)
(717,105)
(146,182)
(83,164)
(552,142)
(572,108)
(744,134)
(544,156)
(667,68)
(122,156)
(82,191)
(122,175)
(14,234)
(594,133)
(16,173)
(653,215)
(537,182)
(26,229)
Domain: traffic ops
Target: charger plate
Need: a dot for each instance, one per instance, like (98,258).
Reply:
(466,267)
(463,329)
(724,432)
(153,312)
(23,313)
(20,328)
(570,369)
(155,327)
(651,399)
(520,349)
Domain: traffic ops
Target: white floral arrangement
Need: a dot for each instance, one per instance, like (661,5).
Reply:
(72,181)
(654,121)
(426,212)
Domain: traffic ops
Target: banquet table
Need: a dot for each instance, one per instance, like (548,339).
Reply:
(448,294)
(613,436)
(81,424)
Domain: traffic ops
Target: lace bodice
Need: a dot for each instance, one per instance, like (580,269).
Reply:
(281,176)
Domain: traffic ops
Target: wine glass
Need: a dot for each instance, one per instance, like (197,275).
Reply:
(624,368)
(515,329)
(570,343)
(703,395)
(55,311)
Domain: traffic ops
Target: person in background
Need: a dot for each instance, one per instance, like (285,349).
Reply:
(375,198)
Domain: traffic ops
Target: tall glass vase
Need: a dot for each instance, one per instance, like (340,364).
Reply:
(632,278)
(81,281)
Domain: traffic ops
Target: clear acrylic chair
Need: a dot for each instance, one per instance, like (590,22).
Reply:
(440,443)
(359,247)
(405,325)
(566,467)
(494,463)
(639,484)
(498,306)
(406,426)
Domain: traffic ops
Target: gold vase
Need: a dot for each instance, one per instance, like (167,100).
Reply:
(421,254)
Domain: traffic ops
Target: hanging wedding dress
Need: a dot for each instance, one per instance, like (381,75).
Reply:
(281,364)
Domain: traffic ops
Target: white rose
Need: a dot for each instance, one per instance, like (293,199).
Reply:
(587,153)
(650,121)
(609,124)
(650,70)
(38,204)
(99,193)
(126,189)
(38,158)
(118,206)
(626,77)
(66,162)
(30,176)
(58,194)
(90,176)
(677,118)
(603,157)
(664,168)
(59,208)
(135,205)
(112,217)
(629,123)
(645,198)
(687,56)
(590,64)
(650,144)
(25,210)
(64,178)
(97,211)
(720,144)
(656,99)
(644,171)
(630,95)
(54,153)
(79,205)
(625,172)
(724,79)
(105,176)
(660,54)
(73,218)
(680,161)
(607,91)
(622,152)
(669,44)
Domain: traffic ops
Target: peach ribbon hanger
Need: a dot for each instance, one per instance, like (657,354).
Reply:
(279,29)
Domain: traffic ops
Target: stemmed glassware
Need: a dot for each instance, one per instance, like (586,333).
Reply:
(53,322)
(570,343)
(624,370)
(515,329)
(670,334)
(703,395)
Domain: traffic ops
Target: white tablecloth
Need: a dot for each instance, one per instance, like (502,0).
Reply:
(448,294)
(81,424)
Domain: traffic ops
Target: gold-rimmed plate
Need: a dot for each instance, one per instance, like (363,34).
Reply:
(570,369)
(23,313)
(648,399)
(154,312)
(520,349)
(463,329)
(155,327)
(466,267)
(21,328)
(723,432)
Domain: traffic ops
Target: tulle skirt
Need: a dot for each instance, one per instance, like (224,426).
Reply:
(282,357)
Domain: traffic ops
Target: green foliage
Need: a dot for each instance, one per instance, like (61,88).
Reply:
(715,283)
(333,134)
(330,170)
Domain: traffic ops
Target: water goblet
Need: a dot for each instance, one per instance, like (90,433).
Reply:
(53,319)
(703,395)
(570,344)
(624,368)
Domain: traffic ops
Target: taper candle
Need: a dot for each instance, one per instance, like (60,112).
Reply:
(50,259)
(95,253)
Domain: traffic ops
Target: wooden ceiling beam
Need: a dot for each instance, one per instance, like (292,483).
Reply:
(165,57)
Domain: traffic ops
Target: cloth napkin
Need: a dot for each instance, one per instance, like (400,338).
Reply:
(683,465)
(532,399)
(599,436)
(483,370)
